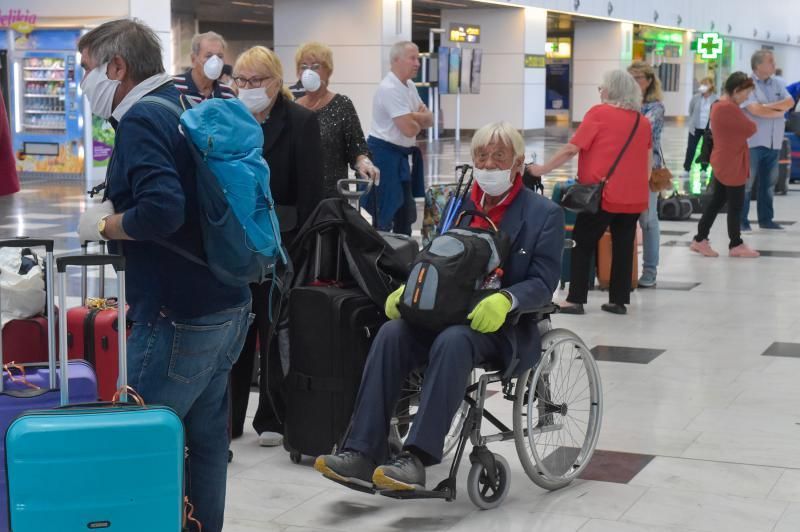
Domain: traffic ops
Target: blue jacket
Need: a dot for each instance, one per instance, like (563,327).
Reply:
(151,178)
(535,226)
(392,160)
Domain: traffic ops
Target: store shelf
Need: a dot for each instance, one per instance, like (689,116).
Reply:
(55,128)
(44,68)
(44,80)
(38,112)
(59,96)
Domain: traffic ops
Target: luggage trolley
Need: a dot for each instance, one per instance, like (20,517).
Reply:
(557,414)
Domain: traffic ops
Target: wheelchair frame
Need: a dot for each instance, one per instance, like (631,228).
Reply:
(475,397)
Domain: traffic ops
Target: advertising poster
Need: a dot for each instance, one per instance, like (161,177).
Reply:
(455,70)
(558,84)
(475,78)
(102,141)
(466,70)
(444,65)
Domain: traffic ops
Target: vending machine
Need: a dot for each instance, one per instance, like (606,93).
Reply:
(48,110)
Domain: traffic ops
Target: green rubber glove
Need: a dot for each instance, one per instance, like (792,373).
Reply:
(390,307)
(490,314)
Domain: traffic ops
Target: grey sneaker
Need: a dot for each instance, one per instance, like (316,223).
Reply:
(404,473)
(647,280)
(348,467)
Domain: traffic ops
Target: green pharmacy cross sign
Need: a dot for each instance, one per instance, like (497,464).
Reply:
(709,46)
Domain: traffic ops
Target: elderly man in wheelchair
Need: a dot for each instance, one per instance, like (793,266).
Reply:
(503,333)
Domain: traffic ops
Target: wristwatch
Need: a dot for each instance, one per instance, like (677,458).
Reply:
(101,225)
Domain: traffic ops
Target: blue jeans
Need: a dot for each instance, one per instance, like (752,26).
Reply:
(651,235)
(764,167)
(185,365)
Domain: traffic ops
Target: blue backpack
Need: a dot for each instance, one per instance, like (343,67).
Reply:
(241,236)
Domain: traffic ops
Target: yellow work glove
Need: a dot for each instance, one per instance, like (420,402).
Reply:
(490,314)
(390,307)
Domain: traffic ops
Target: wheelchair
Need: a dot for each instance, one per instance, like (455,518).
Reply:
(557,413)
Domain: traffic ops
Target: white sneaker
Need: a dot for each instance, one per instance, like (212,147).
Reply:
(270,439)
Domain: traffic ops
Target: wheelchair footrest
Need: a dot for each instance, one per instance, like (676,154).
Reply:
(353,486)
(445,490)
(416,494)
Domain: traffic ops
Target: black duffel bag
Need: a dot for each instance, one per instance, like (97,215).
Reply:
(447,277)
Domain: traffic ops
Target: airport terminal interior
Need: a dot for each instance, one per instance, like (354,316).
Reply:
(700,426)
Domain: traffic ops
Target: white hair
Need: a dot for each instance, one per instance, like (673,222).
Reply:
(209,35)
(622,90)
(399,48)
(501,132)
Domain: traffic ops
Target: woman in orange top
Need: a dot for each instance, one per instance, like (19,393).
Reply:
(730,160)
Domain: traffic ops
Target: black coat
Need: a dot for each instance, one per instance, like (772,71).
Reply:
(293,152)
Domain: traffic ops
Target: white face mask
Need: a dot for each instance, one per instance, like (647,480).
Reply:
(212,68)
(256,100)
(100,91)
(703,89)
(493,182)
(310,80)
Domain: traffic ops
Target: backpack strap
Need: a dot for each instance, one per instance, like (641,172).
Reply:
(176,110)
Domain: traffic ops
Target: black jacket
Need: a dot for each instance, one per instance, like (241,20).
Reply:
(293,152)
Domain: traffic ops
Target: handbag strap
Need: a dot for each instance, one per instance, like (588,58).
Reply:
(625,147)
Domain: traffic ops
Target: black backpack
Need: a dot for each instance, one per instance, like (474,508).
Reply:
(447,276)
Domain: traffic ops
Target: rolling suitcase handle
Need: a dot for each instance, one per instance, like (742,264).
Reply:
(118,263)
(343,188)
(48,245)
(85,274)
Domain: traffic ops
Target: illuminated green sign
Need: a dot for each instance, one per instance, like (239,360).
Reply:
(709,46)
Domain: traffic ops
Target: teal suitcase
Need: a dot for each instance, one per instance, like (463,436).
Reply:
(104,466)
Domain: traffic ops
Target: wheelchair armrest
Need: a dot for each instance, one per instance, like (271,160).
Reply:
(533,314)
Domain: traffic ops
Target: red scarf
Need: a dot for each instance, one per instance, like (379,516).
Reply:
(497,212)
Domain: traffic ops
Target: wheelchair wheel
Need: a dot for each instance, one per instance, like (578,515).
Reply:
(407,408)
(486,494)
(558,411)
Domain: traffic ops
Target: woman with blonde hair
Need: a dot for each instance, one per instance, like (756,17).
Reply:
(653,110)
(699,115)
(343,141)
(293,152)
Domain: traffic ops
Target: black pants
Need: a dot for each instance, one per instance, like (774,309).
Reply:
(721,194)
(691,147)
(588,230)
(271,399)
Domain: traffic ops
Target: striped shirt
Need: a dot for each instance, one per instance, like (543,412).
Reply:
(186,86)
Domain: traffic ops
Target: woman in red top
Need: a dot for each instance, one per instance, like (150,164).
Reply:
(730,160)
(598,141)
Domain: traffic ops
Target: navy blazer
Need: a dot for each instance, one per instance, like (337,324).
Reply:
(535,226)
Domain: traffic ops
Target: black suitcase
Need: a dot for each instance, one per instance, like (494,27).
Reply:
(330,333)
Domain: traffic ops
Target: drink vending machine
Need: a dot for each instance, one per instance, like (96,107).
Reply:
(48,113)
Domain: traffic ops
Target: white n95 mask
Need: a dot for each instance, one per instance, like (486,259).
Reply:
(310,80)
(212,68)
(100,91)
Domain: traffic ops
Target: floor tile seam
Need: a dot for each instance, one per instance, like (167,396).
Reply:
(753,500)
(639,498)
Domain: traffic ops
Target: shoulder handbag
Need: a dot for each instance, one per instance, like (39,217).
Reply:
(587,198)
(660,178)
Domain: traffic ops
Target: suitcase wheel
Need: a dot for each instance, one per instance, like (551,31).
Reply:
(295,457)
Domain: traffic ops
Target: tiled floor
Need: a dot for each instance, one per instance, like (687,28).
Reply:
(704,437)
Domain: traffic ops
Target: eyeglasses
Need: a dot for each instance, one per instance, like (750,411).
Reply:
(255,83)
(312,66)
(499,157)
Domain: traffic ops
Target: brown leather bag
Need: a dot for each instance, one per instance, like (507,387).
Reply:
(660,179)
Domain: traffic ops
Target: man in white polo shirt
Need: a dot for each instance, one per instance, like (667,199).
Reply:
(398,115)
